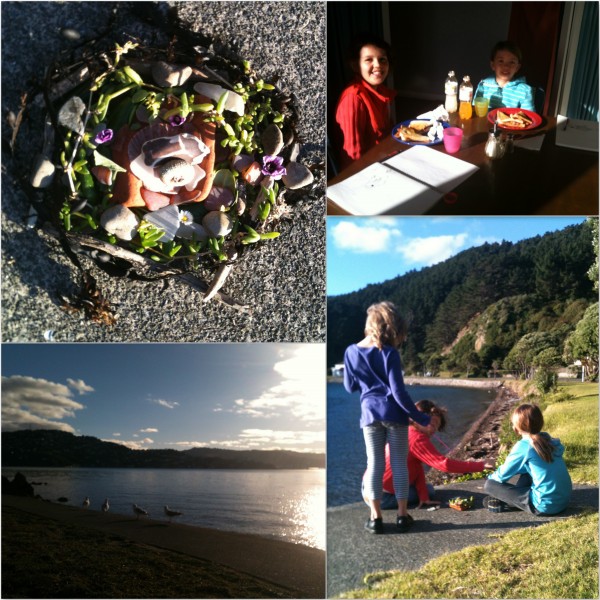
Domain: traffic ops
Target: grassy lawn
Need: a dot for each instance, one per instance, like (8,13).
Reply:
(556,560)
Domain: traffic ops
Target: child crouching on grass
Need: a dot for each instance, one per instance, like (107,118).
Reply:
(544,485)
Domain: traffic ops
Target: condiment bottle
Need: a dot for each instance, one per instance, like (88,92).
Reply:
(494,147)
(465,96)
(451,89)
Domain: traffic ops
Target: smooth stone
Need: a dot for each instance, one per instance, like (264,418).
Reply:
(69,115)
(297,176)
(218,197)
(241,162)
(43,172)
(120,221)
(272,140)
(70,34)
(217,223)
(191,231)
(167,219)
(169,75)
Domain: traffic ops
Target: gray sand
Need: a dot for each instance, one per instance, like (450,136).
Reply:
(283,282)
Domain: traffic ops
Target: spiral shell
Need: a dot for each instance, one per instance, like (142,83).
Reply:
(175,172)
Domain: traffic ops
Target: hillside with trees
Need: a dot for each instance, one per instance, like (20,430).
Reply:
(51,448)
(497,307)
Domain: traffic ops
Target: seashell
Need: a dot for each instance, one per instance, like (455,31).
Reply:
(169,75)
(272,140)
(156,130)
(120,221)
(176,172)
(217,223)
(154,200)
(234,102)
(167,219)
(192,231)
(297,176)
(102,174)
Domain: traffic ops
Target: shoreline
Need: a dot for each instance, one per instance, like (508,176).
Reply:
(296,567)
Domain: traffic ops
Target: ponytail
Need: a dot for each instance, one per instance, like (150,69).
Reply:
(528,419)
(543,446)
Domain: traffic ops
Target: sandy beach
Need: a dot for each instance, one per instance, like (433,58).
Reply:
(299,569)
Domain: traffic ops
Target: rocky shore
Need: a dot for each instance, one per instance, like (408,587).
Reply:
(481,442)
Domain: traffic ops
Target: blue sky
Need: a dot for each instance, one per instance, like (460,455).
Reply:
(238,396)
(363,251)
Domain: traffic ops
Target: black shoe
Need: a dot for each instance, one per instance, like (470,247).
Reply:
(495,505)
(404,523)
(374,525)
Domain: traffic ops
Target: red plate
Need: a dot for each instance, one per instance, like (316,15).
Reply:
(537,119)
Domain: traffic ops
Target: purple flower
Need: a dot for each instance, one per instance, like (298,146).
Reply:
(103,136)
(176,120)
(273,166)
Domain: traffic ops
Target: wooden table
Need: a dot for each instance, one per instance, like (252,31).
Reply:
(552,181)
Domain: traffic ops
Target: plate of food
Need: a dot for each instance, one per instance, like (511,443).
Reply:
(421,132)
(517,119)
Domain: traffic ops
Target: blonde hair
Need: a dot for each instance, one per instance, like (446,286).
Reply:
(384,325)
(528,418)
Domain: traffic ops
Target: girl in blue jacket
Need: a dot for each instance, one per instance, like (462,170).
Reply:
(373,367)
(544,485)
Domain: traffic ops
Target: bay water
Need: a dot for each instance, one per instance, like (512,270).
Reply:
(346,457)
(285,504)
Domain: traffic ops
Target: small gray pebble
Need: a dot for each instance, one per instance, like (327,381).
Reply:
(217,223)
(42,172)
(297,176)
(168,75)
(272,140)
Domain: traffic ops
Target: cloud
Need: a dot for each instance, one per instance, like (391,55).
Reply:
(149,430)
(428,251)
(116,434)
(80,386)
(132,444)
(300,391)
(165,403)
(367,237)
(30,403)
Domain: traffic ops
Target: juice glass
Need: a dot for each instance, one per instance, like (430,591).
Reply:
(481,106)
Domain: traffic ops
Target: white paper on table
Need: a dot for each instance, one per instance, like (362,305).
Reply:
(575,133)
(409,183)
(530,143)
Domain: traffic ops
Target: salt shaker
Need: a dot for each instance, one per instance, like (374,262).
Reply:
(494,147)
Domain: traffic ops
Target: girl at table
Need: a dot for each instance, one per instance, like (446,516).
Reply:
(373,367)
(504,89)
(421,451)
(363,112)
(544,485)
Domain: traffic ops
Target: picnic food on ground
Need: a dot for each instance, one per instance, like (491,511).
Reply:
(518,119)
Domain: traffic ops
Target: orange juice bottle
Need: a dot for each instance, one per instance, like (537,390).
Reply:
(465,96)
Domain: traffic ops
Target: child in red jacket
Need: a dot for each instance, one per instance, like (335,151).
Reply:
(363,112)
(422,451)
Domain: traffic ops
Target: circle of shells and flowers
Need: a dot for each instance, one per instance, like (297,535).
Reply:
(174,162)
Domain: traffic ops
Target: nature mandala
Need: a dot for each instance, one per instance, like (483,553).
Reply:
(171,160)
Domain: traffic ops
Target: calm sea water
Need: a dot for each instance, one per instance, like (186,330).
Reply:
(287,504)
(346,458)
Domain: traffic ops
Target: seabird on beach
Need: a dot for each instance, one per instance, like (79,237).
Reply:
(105,505)
(172,513)
(139,511)
(86,502)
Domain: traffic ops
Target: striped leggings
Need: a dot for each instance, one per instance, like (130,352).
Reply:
(376,435)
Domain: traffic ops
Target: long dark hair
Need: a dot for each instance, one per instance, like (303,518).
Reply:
(528,418)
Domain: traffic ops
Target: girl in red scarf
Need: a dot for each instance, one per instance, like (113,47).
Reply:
(364,108)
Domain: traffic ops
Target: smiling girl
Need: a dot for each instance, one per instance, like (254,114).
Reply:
(364,108)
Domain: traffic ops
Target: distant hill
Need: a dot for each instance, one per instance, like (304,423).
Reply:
(51,448)
(468,312)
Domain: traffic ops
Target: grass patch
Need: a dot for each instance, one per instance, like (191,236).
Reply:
(42,558)
(539,562)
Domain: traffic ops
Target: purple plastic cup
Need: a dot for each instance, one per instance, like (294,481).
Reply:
(452,139)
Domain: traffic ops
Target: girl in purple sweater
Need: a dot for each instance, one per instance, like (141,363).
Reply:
(373,367)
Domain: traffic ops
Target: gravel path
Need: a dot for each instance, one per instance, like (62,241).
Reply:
(283,283)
